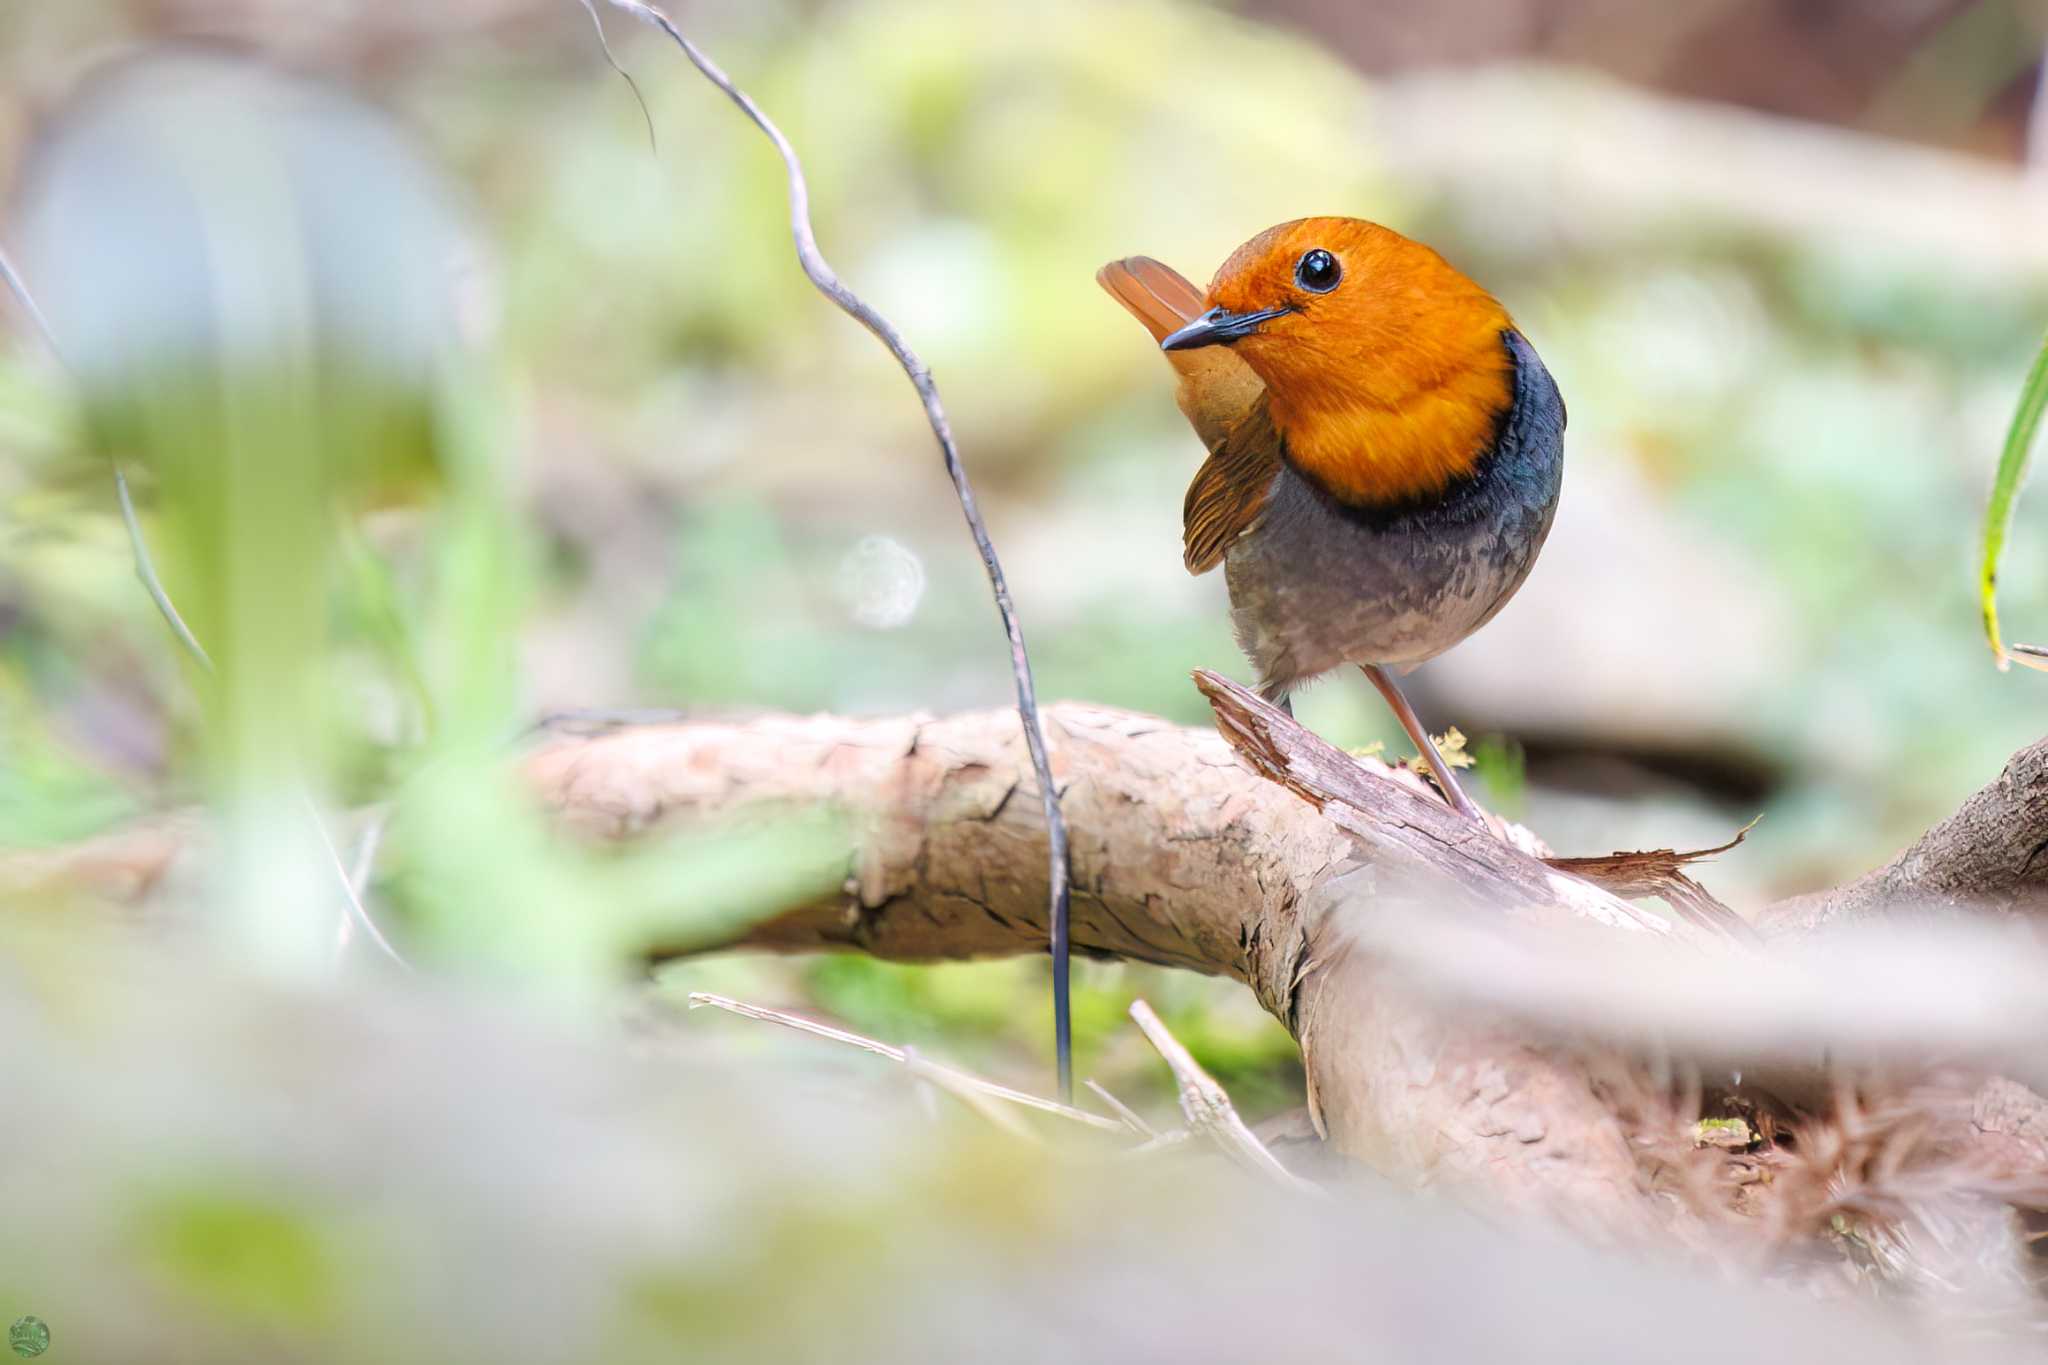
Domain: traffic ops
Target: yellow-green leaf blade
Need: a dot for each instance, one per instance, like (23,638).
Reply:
(2012,469)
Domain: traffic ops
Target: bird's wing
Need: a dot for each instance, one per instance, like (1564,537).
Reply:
(1229,491)
(1223,401)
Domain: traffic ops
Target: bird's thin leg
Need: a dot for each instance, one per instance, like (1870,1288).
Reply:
(1277,694)
(1423,744)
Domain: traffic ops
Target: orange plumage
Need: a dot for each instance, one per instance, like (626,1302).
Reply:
(1384,391)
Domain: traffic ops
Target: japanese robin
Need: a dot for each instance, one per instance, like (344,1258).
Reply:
(1385,450)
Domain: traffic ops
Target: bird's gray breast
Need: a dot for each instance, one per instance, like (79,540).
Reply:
(1317,584)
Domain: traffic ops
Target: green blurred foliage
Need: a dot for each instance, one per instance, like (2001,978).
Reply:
(243,1262)
(1503,771)
(271,373)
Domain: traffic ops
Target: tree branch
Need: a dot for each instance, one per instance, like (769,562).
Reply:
(1181,858)
(1990,856)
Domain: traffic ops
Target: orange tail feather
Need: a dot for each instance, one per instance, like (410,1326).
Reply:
(1153,293)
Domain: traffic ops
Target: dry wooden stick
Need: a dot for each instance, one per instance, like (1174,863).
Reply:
(1122,1111)
(938,1073)
(1208,1107)
(828,283)
(1164,1142)
(969,1093)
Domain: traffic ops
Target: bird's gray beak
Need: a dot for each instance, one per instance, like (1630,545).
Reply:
(1218,327)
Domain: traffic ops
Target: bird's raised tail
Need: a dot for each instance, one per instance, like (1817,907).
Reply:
(1223,400)
(1154,293)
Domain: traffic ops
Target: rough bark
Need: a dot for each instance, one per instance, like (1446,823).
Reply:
(1179,857)
(1986,858)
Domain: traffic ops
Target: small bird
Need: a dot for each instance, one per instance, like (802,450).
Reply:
(1385,450)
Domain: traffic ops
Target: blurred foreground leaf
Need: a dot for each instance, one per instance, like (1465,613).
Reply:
(485,880)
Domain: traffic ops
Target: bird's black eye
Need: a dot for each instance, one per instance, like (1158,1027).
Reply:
(1317,271)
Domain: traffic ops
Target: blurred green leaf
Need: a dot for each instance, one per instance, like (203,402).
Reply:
(247,1261)
(1503,766)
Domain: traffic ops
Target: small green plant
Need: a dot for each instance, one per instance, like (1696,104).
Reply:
(2005,487)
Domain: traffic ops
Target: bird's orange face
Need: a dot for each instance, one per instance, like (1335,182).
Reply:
(1386,368)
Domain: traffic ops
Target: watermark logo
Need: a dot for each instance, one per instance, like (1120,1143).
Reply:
(29,1336)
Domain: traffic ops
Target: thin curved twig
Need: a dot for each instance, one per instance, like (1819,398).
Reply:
(1123,1111)
(145,573)
(828,283)
(604,43)
(351,881)
(19,288)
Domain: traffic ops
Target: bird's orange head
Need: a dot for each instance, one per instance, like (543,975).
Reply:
(1386,369)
